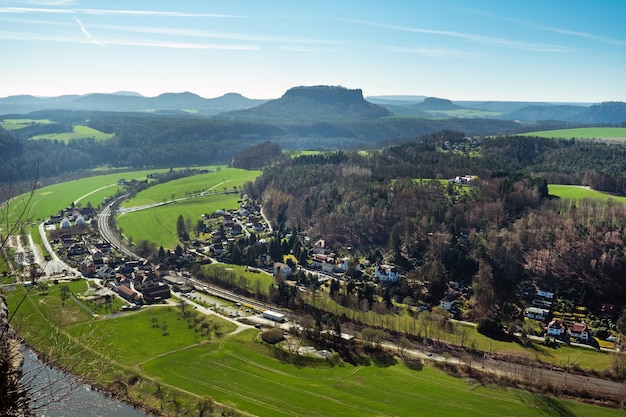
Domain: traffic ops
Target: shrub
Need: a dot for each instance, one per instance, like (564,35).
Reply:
(273,336)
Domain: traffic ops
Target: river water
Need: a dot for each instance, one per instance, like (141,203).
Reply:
(62,395)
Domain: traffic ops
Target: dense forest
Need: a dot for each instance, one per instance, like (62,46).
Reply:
(499,234)
(149,140)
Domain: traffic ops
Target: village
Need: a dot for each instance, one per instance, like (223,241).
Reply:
(139,281)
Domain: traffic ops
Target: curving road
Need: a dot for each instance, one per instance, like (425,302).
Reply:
(108,235)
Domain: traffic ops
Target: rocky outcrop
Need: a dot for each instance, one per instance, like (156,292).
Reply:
(314,103)
(13,401)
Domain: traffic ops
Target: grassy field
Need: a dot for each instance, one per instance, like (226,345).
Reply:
(241,373)
(252,279)
(147,324)
(171,366)
(49,200)
(158,224)
(464,113)
(223,179)
(16,124)
(579,192)
(583,133)
(78,132)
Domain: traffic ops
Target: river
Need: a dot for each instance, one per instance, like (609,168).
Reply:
(62,395)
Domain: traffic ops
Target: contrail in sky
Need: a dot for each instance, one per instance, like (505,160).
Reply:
(87,34)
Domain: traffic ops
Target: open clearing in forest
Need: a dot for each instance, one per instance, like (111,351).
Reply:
(16,124)
(614,133)
(578,192)
(78,132)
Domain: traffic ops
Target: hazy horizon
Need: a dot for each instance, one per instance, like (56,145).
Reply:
(556,51)
(398,97)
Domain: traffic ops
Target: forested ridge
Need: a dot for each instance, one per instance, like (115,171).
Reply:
(498,235)
(149,140)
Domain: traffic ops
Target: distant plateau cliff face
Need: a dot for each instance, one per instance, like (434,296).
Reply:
(314,103)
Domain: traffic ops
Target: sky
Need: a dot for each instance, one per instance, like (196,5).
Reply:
(513,50)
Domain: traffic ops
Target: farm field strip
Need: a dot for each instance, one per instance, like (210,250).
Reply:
(51,199)
(582,133)
(238,371)
(78,132)
(264,386)
(222,180)
(16,124)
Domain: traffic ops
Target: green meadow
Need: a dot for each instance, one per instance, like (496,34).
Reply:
(158,224)
(16,124)
(222,179)
(162,359)
(241,373)
(50,199)
(464,113)
(78,132)
(252,282)
(583,133)
(577,192)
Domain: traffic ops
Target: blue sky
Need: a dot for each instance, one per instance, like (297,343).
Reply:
(530,50)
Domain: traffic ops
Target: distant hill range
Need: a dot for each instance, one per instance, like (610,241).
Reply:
(314,103)
(323,103)
(129,101)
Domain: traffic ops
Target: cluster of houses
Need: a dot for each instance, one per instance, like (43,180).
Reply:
(466,144)
(233,223)
(463,180)
(555,327)
(71,216)
(324,259)
(135,281)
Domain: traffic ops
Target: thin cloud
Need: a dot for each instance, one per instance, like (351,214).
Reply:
(21,36)
(434,52)
(113,12)
(34,10)
(87,34)
(155,13)
(218,35)
(48,2)
(545,28)
(183,45)
(586,35)
(489,40)
(308,49)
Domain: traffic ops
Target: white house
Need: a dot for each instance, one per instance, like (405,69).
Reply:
(344,264)
(447,302)
(536,313)
(386,273)
(556,328)
(545,294)
(579,331)
(282,270)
